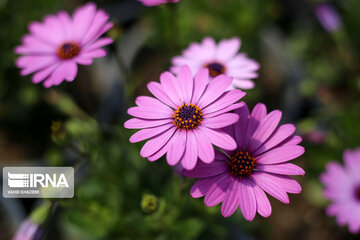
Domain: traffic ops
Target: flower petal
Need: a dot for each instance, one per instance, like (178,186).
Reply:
(280,154)
(219,138)
(247,199)
(202,186)
(257,115)
(41,31)
(352,163)
(70,70)
(231,199)
(97,53)
(336,171)
(164,149)
(67,25)
(216,192)
(239,73)
(150,113)
(294,140)
(262,202)
(136,123)
(44,73)
(266,128)
(241,126)
(145,101)
(97,28)
(169,82)
(56,77)
(203,170)
(157,90)
(214,90)
(282,168)
(176,151)
(221,121)
(98,44)
(185,79)
(280,134)
(242,61)
(227,99)
(205,149)
(208,50)
(190,156)
(288,184)
(34,46)
(225,110)
(201,80)
(228,48)
(32,64)
(154,144)
(265,182)
(149,133)
(83,61)
(243,83)
(83,18)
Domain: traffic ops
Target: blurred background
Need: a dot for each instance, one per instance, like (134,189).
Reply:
(309,58)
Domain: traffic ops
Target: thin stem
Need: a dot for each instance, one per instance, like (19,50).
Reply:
(49,219)
(223,152)
(174,26)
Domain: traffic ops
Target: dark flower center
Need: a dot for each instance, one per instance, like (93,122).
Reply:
(187,116)
(215,69)
(357,193)
(241,164)
(68,50)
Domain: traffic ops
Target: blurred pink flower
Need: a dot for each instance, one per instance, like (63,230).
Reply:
(55,46)
(328,17)
(28,231)
(151,3)
(316,136)
(342,188)
(258,165)
(222,58)
(185,117)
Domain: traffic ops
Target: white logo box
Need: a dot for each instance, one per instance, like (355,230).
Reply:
(38,182)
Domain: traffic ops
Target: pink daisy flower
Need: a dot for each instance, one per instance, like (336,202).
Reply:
(219,59)
(342,188)
(258,165)
(185,117)
(151,3)
(55,46)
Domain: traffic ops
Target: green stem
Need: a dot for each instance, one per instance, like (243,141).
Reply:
(174,30)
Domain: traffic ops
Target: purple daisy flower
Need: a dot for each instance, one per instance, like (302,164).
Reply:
(258,165)
(219,59)
(328,17)
(28,231)
(55,46)
(342,188)
(185,117)
(151,3)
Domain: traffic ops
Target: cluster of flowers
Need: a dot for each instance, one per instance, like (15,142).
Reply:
(195,118)
(196,108)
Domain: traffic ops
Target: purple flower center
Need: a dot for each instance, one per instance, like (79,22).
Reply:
(187,116)
(68,50)
(215,69)
(241,164)
(357,193)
